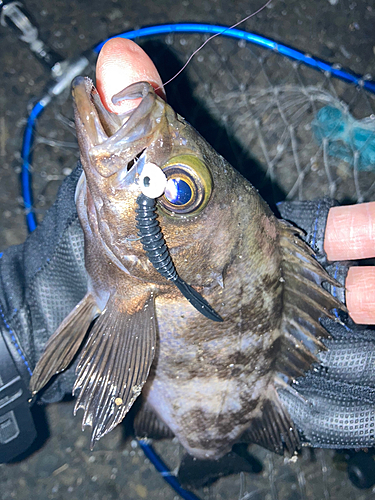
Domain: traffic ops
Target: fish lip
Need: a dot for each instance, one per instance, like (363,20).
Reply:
(110,142)
(101,125)
(97,123)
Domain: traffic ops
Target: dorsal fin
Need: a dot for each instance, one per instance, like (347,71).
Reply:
(305,302)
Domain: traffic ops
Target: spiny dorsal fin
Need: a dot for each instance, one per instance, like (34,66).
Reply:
(64,343)
(114,365)
(305,302)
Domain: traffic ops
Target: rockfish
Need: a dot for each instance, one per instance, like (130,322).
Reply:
(204,302)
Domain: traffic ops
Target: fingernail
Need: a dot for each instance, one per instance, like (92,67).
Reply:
(360,294)
(350,232)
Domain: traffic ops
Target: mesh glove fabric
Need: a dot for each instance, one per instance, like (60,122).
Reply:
(41,281)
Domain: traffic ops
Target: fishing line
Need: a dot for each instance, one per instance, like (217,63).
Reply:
(210,38)
(332,69)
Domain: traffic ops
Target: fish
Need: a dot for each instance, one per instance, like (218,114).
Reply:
(205,324)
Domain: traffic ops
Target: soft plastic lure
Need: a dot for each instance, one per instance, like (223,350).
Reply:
(153,183)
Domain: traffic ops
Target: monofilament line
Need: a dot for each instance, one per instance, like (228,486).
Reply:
(213,36)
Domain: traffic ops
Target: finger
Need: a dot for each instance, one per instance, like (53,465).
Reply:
(350,232)
(360,294)
(122,62)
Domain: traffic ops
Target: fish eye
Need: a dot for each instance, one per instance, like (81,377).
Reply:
(178,191)
(189,185)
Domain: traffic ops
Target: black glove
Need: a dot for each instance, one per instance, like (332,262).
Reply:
(40,283)
(43,279)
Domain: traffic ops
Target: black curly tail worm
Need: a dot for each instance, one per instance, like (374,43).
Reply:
(157,252)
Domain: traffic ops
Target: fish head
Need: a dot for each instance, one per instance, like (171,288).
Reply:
(195,209)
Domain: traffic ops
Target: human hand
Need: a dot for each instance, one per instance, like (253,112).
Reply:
(350,235)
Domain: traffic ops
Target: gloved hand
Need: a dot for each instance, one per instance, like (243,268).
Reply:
(43,279)
(334,405)
(40,283)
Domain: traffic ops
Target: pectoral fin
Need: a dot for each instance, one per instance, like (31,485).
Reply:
(115,364)
(64,343)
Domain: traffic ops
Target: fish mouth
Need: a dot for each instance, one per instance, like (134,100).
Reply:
(103,135)
(98,122)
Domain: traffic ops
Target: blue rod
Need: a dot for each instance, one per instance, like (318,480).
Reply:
(26,155)
(165,472)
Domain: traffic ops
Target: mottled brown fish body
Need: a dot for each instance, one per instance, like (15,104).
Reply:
(211,383)
(210,378)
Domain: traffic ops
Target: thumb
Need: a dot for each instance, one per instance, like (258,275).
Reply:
(122,62)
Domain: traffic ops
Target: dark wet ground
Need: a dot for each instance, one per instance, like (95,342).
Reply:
(214,95)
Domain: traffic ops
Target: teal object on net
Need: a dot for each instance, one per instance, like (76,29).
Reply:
(348,139)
